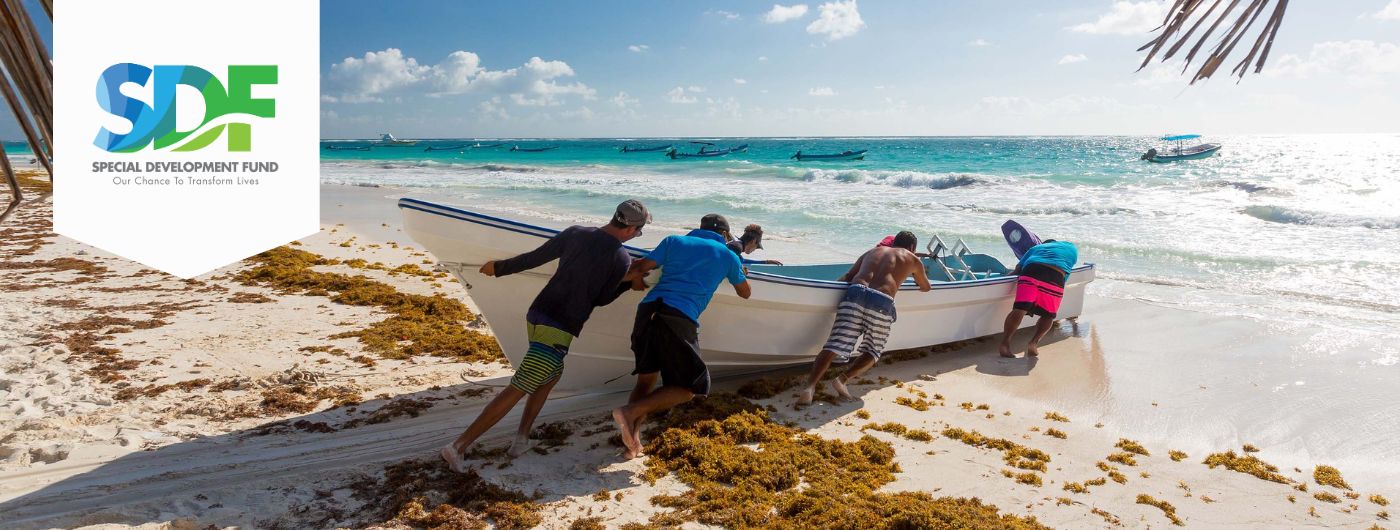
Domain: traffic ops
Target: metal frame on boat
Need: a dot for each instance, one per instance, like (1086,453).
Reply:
(784,323)
(1181,152)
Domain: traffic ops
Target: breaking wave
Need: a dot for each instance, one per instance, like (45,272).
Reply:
(1049,210)
(1280,214)
(903,179)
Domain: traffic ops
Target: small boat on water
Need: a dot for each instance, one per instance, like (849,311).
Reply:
(630,149)
(707,150)
(1180,151)
(844,155)
(784,323)
(388,140)
(446,147)
(515,148)
(347,148)
(487,146)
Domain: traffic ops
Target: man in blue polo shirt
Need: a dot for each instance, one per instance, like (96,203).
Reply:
(666,335)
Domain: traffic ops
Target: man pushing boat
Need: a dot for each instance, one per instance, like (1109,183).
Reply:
(866,311)
(592,272)
(1043,271)
(666,334)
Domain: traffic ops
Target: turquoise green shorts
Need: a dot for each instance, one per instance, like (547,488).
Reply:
(544,362)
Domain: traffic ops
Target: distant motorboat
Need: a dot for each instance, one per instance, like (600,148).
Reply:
(630,149)
(388,140)
(1180,151)
(844,155)
(447,147)
(532,149)
(347,148)
(706,151)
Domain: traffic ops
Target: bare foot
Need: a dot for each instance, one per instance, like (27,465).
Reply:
(634,447)
(519,446)
(805,397)
(1005,350)
(841,393)
(1033,349)
(454,459)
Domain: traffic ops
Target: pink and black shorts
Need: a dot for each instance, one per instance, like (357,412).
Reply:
(1039,290)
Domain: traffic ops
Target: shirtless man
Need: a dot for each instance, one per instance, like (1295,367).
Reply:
(867,310)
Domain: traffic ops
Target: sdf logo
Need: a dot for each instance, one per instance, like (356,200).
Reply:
(155,122)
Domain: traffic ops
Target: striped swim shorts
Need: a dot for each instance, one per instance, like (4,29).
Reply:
(1039,290)
(863,317)
(544,362)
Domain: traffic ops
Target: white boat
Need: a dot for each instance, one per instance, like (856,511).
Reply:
(388,140)
(1181,151)
(784,323)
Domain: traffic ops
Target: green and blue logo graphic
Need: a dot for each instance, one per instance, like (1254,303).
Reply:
(156,122)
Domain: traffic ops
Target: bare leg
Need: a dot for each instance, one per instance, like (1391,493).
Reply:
(861,364)
(646,383)
(662,399)
(533,405)
(1042,327)
(819,368)
(1013,321)
(490,415)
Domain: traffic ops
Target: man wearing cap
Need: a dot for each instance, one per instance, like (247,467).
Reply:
(592,272)
(666,335)
(751,240)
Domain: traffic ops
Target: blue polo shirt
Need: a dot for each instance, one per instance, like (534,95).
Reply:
(691,268)
(1060,254)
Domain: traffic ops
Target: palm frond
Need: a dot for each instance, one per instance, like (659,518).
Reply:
(1185,17)
(26,83)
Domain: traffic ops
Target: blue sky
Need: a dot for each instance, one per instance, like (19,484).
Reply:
(727,68)
(907,68)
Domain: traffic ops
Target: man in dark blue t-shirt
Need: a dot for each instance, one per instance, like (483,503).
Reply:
(666,335)
(592,263)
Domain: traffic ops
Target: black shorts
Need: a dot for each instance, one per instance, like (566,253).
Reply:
(665,340)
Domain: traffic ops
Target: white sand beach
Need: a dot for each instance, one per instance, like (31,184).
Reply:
(130,399)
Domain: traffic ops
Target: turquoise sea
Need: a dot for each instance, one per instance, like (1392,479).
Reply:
(1298,227)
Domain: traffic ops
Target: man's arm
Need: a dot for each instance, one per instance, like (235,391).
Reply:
(854,267)
(549,251)
(743,290)
(921,276)
(639,270)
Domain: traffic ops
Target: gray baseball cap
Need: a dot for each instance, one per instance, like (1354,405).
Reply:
(632,213)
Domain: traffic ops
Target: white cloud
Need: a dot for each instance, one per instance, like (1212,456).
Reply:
(1060,106)
(361,80)
(1161,74)
(781,13)
(837,20)
(763,58)
(377,74)
(639,48)
(727,15)
(741,81)
(678,95)
(1361,60)
(1073,58)
(492,108)
(1127,18)
(695,89)
(879,87)
(1391,11)
(821,91)
(978,43)
(623,100)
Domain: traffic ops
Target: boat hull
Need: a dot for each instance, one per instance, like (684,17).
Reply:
(784,323)
(1208,152)
(850,155)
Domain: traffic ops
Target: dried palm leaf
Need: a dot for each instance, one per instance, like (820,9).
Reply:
(26,82)
(1194,13)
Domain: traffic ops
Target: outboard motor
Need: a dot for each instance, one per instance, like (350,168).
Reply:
(1150,154)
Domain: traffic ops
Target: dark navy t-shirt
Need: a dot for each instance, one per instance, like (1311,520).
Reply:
(591,266)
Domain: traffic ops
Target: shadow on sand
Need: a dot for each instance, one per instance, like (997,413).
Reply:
(280,465)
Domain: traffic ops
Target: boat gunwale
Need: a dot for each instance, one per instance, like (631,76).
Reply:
(543,232)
